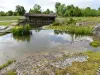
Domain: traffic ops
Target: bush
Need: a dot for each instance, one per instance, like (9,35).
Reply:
(56,24)
(21,30)
(95,43)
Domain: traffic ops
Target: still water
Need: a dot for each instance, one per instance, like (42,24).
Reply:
(42,41)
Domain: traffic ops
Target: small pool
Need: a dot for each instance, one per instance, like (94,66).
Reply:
(42,41)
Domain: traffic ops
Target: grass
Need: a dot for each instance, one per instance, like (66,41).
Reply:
(10,17)
(88,67)
(21,30)
(95,43)
(6,64)
(6,23)
(72,29)
(93,19)
(11,73)
(7,20)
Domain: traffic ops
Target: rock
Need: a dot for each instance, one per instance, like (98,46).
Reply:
(96,30)
(84,23)
(3,27)
(78,24)
(6,29)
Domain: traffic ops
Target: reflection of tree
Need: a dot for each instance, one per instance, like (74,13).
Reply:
(22,38)
(58,32)
(37,30)
(73,36)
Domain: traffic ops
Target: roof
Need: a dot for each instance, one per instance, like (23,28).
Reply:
(41,15)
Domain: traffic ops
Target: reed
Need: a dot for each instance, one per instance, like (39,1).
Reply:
(21,30)
(72,29)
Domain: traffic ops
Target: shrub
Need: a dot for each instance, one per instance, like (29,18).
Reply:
(95,43)
(56,24)
(69,21)
(21,30)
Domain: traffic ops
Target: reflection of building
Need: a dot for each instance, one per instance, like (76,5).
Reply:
(40,19)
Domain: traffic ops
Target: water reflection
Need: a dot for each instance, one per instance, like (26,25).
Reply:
(73,37)
(42,40)
(23,38)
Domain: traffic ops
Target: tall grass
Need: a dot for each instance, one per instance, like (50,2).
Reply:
(21,30)
(72,29)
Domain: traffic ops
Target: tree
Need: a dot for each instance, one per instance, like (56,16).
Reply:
(99,8)
(57,6)
(20,10)
(10,13)
(48,11)
(2,13)
(36,9)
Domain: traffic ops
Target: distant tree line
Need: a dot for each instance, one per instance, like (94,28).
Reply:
(61,10)
(71,11)
(19,11)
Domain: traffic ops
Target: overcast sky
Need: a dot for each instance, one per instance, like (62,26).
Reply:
(6,5)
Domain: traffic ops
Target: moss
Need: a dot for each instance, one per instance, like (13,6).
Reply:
(88,67)
(95,43)
(7,64)
(11,73)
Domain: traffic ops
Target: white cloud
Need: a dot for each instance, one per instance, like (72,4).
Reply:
(6,5)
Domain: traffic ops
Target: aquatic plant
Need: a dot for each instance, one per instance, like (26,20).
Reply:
(24,38)
(56,23)
(7,64)
(95,43)
(21,30)
(11,73)
(71,21)
(72,29)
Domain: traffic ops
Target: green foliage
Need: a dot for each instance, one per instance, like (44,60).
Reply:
(21,30)
(22,38)
(95,43)
(56,24)
(20,10)
(2,13)
(11,73)
(70,11)
(72,29)
(7,64)
(36,9)
(48,11)
(71,21)
(10,13)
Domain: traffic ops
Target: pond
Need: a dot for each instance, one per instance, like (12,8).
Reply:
(42,41)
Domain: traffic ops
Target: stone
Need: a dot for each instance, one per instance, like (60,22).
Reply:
(96,30)
(3,27)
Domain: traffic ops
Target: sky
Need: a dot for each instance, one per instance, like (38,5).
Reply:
(6,5)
